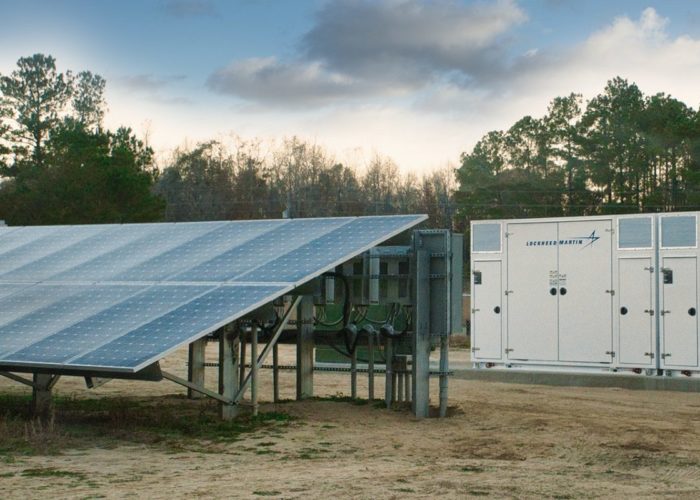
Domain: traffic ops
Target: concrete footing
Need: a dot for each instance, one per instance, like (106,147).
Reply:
(632,382)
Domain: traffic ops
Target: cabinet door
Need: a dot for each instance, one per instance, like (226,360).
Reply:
(635,316)
(532,291)
(679,308)
(487,297)
(585,296)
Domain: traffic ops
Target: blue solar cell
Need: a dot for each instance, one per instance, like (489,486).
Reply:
(109,324)
(43,322)
(262,249)
(153,240)
(328,249)
(202,315)
(198,251)
(51,242)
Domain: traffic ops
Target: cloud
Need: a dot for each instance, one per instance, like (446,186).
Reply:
(189,8)
(272,81)
(147,82)
(407,36)
(362,48)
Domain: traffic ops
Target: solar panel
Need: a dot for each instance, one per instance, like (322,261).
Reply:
(117,298)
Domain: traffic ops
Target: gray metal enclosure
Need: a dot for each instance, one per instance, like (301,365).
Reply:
(607,294)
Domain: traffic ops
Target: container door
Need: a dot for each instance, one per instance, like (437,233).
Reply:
(636,315)
(532,291)
(486,320)
(585,291)
(679,308)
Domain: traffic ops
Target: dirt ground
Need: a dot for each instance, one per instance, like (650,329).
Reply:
(501,440)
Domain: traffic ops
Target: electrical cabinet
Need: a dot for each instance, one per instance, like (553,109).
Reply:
(612,293)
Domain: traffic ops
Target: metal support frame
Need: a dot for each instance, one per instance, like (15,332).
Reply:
(17,378)
(255,366)
(229,359)
(420,394)
(275,373)
(389,372)
(195,366)
(42,402)
(305,348)
(370,366)
(194,387)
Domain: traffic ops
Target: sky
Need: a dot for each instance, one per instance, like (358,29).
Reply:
(417,81)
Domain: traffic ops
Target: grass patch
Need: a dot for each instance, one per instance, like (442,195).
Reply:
(342,398)
(173,423)
(52,472)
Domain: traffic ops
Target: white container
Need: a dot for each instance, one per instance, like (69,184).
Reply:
(585,293)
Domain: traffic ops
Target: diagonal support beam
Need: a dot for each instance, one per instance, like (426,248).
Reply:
(268,348)
(195,387)
(17,378)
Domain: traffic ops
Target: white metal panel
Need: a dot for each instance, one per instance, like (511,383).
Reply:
(679,309)
(487,314)
(585,291)
(532,298)
(636,311)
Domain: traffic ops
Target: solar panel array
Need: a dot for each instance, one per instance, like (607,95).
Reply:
(117,298)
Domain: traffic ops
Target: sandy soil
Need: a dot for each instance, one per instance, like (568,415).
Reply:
(501,440)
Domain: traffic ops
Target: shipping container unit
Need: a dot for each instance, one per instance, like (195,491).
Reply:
(604,294)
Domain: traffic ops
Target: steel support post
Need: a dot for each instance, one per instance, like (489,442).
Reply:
(275,373)
(228,378)
(370,367)
(389,373)
(195,367)
(254,368)
(353,374)
(305,348)
(421,337)
(42,402)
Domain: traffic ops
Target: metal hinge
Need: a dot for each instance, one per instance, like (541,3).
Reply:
(509,350)
(650,354)
(666,355)
(507,234)
(508,292)
(650,312)
(474,349)
(612,231)
(611,292)
(475,310)
(650,269)
(665,312)
(610,353)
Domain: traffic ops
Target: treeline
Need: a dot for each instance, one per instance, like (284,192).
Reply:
(297,178)
(58,163)
(619,152)
(61,166)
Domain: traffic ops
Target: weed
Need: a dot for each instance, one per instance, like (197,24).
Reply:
(52,472)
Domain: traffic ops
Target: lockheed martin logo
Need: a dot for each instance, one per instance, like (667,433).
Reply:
(584,241)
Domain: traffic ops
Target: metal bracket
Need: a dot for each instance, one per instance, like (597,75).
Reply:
(650,312)
(508,292)
(610,353)
(17,378)
(665,312)
(650,269)
(666,355)
(507,350)
(611,292)
(650,354)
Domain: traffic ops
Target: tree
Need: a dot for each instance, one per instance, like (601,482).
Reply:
(88,99)
(91,177)
(34,96)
